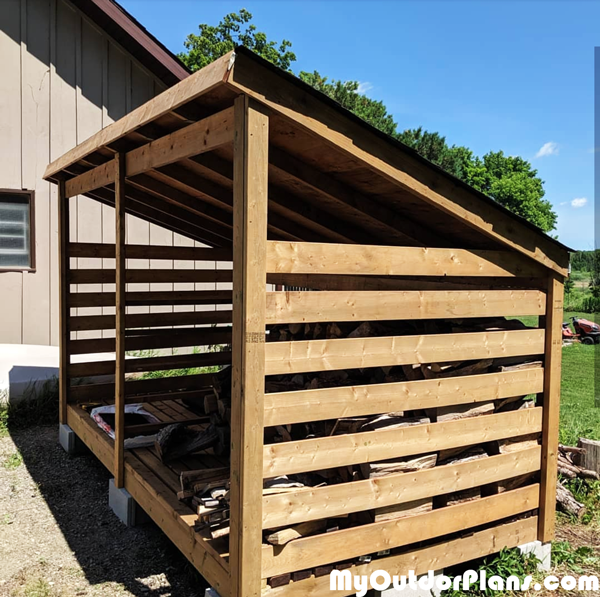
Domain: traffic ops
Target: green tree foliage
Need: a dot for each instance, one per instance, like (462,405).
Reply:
(234,30)
(584,261)
(509,180)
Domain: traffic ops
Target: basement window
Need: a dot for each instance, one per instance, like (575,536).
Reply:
(16,230)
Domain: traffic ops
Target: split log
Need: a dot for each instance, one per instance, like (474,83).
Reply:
(176,441)
(188,478)
(588,456)
(567,502)
(373,470)
(404,510)
(461,411)
(304,529)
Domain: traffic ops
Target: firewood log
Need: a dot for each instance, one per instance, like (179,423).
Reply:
(403,510)
(567,502)
(461,411)
(304,529)
(588,455)
(176,441)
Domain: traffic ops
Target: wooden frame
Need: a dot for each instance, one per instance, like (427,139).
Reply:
(238,175)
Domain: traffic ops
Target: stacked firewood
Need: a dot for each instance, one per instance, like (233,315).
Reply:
(569,467)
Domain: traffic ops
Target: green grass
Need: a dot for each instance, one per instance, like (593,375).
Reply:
(12,461)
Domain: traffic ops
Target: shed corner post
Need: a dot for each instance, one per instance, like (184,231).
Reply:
(64,311)
(251,144)
(120,219)
(551,407)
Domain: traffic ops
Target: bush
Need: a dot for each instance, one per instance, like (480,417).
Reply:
(590,304)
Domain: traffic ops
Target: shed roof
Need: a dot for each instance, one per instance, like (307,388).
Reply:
(332,177)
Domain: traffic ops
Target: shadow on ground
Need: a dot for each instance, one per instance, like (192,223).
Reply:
(139,561)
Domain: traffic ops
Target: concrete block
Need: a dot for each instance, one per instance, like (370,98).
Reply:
(542,551)
(124,506)
(210,592)
(414,592)
(69,441)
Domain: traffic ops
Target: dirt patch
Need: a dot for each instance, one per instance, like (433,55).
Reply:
(58,537)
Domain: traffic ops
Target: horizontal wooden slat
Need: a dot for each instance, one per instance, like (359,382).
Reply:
(179,361)
(141,320)
(345,259)
(134,299)
(301,307)
(168,338)
(354,401)
(372,446)
(104,391)
(149,428)
(91,180)
(202,136)
(345,498)
(107,276)
(433,557)
(349,543)
(354,353)
(107,251)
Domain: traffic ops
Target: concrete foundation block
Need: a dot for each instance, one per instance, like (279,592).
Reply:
(69,441)
(542,551)
(124,506)
(414,592)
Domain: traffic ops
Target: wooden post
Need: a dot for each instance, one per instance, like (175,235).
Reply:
(251,142)
(551,411)
(120,318)
(64,287)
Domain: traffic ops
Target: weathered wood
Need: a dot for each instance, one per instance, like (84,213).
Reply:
(248,385)
(64,322)
(589,457)
(348,543)
(336,259)
(295,307)
(107,251)
(567,502)
(371,446)
(551,408)
(325,355)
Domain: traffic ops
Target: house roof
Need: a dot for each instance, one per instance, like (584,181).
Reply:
(332,177)
(135,38)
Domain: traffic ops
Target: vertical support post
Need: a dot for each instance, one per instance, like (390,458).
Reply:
(551,406)
(64,288)
(251,145)
(119,319)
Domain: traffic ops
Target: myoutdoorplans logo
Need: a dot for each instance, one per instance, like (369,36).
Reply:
(380,580)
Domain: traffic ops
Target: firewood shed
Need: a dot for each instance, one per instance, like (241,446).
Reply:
(366,302)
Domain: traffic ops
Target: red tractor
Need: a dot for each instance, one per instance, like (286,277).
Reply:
(586,331)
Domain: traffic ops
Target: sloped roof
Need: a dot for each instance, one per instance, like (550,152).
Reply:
(332,177)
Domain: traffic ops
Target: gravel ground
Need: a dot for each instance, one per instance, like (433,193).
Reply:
(58,537)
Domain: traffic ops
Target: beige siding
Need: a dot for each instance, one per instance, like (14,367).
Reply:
(61,80)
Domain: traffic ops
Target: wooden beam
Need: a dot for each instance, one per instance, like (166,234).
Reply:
(251,148)
(107,251)
(95,178)
(202,136)
(300,406)
(353,353)
(171,99)
(357,496)
(303,307)
(65,310)
(132,276)
(351,138)
(309,552)
(371,260)
(551,408)
(157,297)
(320,453)
(120,286)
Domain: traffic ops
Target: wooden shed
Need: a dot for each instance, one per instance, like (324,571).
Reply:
(316,221)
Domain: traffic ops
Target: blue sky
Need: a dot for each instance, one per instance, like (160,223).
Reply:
(488,74)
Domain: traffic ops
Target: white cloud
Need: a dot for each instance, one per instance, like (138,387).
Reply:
(550,148)
(364,87)
(579,202)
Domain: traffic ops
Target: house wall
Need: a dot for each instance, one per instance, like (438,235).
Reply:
(61,80)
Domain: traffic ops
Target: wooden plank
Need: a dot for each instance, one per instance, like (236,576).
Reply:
(64,313)
(137,276)
(302,307)
(371,446)
(140,320)
(168,297)
(178,361)
(167,338)
(251,147)
(174,97)
(107,251)
(551,408)
(91,180)
(372,260)
(202,136)
(335,500)
(119,364)
(355,401)
(352,353)
(349,543)
(421,560)
(353,139)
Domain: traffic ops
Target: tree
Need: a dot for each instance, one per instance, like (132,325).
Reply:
(233,30)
